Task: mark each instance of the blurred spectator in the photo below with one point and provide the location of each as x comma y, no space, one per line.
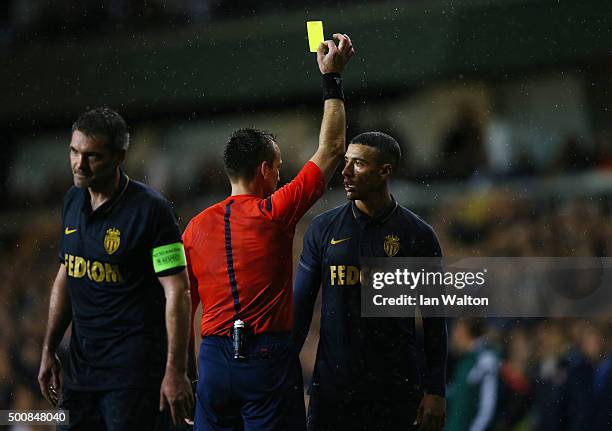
603,153
6,377
603,388
472,392
576,392
463,150
524,166
573,156
515,389
550,374
9,148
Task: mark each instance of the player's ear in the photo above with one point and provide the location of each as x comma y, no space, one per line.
121,156
264,168
386,170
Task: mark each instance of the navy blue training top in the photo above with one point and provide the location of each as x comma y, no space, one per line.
118,305
365,358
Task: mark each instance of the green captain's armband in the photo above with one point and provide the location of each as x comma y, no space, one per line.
168,256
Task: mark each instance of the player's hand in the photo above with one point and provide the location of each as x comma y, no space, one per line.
49,377
191,418
175,393
431,414
332,58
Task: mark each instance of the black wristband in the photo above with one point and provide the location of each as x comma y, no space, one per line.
332,86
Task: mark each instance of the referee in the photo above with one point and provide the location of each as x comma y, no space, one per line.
123,285
240,259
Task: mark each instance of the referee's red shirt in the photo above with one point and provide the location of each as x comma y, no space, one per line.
239,256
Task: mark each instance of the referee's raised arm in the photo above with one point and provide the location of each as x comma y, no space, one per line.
331,60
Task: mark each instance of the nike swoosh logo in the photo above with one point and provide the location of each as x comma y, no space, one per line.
68,231
338,241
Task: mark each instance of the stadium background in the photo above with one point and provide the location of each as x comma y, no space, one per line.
502,109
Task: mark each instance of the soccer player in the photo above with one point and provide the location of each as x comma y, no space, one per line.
366,374
239,254
123,285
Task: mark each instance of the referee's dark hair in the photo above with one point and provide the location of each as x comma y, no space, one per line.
388,148
245,150
104,122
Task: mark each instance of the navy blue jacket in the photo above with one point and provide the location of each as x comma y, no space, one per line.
118,323
365,358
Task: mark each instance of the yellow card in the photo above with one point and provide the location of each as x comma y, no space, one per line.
315,34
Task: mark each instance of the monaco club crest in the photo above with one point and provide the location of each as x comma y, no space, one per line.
392,245
112,239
